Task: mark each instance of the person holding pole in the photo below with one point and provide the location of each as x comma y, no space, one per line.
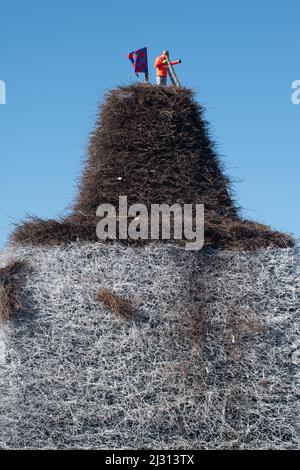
161,66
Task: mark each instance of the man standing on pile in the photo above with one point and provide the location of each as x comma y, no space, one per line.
161,68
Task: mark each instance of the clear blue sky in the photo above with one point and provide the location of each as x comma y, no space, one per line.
58,57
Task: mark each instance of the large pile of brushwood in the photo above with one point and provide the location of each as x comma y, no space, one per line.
152,144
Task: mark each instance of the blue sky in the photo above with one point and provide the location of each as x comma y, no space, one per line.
59,57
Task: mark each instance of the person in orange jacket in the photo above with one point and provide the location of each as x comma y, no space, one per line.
161,69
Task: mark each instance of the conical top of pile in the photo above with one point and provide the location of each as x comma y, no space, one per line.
151,144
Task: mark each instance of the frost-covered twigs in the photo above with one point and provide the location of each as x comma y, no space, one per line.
74,375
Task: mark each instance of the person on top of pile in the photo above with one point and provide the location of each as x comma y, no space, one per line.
161,68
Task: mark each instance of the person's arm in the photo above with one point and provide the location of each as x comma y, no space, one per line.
175,62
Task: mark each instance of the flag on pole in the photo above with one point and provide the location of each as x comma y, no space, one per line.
139,60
